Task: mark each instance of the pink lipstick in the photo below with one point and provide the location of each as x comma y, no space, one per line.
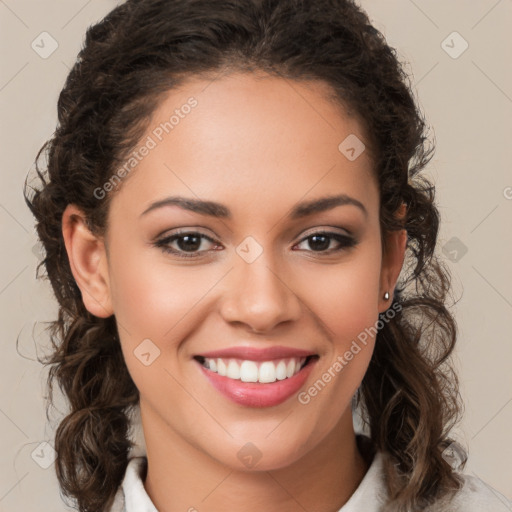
257,377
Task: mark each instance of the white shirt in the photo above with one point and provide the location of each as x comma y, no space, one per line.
475,496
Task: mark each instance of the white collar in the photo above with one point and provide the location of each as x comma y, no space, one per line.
132,496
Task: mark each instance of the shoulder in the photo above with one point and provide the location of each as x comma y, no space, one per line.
477,496
131,495
118,505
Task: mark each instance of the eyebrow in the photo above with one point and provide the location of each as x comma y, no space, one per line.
219,210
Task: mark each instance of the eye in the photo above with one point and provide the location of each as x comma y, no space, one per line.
187,244
321,242
190,244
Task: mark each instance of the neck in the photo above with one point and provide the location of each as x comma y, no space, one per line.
181,476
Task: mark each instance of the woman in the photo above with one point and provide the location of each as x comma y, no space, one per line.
242,247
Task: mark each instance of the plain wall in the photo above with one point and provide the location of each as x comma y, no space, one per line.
467,99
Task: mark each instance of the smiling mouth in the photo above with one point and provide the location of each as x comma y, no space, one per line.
247,370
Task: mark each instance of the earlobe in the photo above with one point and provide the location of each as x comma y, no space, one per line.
87,259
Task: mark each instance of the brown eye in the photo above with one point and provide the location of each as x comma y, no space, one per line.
321,242
187,244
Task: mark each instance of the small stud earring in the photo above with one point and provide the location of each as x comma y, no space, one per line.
386,296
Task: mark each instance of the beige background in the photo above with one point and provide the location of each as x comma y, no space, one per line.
468,101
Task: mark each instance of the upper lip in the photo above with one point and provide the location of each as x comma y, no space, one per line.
257,354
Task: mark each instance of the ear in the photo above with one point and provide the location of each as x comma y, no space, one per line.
392,262
88,261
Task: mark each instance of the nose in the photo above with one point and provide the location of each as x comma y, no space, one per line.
259,297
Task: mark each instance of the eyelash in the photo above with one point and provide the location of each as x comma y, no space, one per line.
345,242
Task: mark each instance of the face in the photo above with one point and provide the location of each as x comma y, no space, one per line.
264,268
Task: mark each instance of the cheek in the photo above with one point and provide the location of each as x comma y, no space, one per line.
154,302
348,309
346,299
154,309
150,293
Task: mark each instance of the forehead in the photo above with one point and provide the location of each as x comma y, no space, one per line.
249,138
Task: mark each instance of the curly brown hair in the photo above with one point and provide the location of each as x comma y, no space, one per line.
409,397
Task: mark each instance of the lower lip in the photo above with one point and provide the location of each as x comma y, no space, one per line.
257,394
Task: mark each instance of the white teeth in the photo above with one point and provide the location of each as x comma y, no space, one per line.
253,371
267,372
233,371
248,371
221,367
290,368
281,370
